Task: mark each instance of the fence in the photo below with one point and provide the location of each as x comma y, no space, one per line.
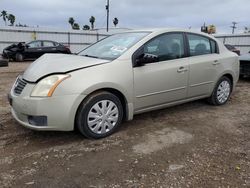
79,39
240,41
75,39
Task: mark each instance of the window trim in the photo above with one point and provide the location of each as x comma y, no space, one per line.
210,39
139,50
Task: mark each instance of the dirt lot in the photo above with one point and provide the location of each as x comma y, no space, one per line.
191,145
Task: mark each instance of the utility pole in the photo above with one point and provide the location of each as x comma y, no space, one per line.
233,26
107,8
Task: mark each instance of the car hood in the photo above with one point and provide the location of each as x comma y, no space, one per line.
245,57
14,45
58,63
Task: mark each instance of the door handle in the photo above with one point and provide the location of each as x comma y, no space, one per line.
182,69
216,62
39,49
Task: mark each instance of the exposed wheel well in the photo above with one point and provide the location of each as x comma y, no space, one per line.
121,97
230,78
116,93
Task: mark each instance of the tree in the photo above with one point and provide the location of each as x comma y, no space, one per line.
115,21
76,26
71,21
11,19
86,27
92,21
4,15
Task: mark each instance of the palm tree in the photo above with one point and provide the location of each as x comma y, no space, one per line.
76,26
11,19
4,15
92,21
71,21
115,21
86,27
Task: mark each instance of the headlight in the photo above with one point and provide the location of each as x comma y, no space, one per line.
47,86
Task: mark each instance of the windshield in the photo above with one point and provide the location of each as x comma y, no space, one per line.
113,46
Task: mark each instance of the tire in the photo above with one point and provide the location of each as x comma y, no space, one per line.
19,57
93,121
221,92
4,63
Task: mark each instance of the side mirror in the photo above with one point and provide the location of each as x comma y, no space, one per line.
27,46
146,58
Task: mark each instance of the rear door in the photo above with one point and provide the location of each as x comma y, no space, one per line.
49,47
203,64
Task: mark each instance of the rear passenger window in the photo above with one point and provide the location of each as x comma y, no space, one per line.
198,45
48,44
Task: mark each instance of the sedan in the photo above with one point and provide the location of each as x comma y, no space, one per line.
120,76
33,50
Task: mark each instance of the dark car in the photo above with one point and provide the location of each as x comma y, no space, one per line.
245,65
33,50
232,49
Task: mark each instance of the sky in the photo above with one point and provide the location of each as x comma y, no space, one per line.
132,13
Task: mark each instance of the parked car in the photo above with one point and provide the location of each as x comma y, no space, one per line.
232,49
245,65
120,76
33,50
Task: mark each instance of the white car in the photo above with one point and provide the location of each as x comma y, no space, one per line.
120,76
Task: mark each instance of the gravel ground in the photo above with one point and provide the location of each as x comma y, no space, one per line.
190,145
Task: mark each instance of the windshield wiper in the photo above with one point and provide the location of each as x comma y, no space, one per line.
86,55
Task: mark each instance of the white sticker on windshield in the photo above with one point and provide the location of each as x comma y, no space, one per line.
119,48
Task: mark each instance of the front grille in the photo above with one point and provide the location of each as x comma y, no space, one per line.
19,86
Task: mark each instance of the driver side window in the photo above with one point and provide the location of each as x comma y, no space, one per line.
35,44
166,47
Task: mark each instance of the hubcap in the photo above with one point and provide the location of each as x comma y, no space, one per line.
103,117
223,91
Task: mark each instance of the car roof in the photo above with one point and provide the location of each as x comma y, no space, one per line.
43,41
163,30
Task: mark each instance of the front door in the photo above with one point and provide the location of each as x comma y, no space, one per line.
166,80
33,49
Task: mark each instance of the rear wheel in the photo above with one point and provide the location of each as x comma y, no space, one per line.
19,57
221,92
99,115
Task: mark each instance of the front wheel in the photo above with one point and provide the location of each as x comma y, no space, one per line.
222,92
99,115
